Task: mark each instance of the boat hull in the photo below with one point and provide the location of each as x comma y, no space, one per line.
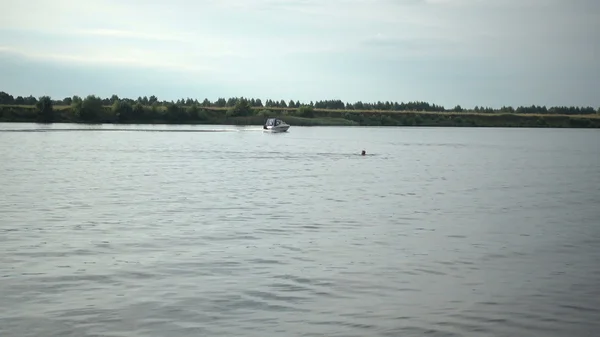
275,125
279,128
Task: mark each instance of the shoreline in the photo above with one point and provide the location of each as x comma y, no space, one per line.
152,115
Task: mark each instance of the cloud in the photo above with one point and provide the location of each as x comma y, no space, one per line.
128,34
133,57
406,46
325,46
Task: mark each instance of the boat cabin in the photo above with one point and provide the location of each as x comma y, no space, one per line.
272,122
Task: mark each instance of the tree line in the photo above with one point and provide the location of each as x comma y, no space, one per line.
7,99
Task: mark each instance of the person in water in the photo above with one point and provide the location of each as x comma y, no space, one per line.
363,153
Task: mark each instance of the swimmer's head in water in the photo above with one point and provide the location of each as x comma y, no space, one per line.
363,152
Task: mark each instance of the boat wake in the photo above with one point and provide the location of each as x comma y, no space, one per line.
120,130
250,129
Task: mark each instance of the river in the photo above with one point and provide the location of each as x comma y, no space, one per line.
112,230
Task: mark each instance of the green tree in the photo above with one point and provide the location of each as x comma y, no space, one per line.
30,100
45,110
5,98
139,113
76,105
172,111
193,112
306,111
90,109
177,113
221,103
241,108
123,111
116,107
231,101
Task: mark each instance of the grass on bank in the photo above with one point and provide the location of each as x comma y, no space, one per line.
288,111
296,117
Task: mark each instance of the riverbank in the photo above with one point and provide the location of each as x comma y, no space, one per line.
297,117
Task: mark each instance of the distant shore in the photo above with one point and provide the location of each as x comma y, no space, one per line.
243,111
298,117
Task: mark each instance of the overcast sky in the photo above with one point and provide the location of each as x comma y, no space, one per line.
448,52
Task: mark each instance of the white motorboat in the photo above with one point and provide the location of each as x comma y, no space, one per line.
275,125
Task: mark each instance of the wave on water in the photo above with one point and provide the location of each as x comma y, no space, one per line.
123,129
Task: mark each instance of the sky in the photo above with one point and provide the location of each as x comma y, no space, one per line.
447,52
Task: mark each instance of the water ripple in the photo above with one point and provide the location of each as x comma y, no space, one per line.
440,232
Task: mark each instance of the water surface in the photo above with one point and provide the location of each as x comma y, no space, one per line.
145,231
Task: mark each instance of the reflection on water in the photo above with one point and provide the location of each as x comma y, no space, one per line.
441,232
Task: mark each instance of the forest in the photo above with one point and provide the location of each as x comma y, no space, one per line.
241,110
